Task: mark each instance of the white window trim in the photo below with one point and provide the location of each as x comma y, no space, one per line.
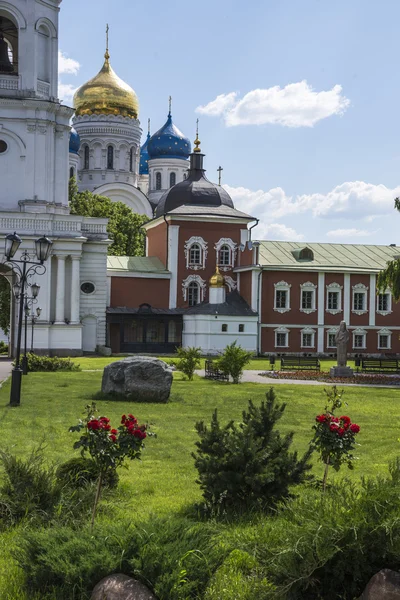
360,288
233,249
308,330
282,286
231,283
282,330
334,287
196,278
332,331
360,331
308,287
387,332
384,312
204,251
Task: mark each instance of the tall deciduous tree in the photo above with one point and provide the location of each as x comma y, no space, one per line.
124,226
390,277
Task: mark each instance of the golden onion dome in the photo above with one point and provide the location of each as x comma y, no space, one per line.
217,280
106,94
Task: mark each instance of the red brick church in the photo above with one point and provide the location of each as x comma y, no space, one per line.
205,283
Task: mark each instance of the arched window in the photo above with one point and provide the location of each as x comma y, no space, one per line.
86,157
43,54
224,257
193,293
195,255
172,179
131,160
71,173
9,45
158,181
184,176
110,157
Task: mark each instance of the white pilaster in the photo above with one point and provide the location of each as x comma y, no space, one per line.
372,299
60,293
346,299
173,240
75,288
254,289
321,312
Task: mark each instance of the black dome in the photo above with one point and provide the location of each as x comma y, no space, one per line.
196,190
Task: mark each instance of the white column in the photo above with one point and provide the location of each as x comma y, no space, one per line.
254,289
173,242
60,292
346,299
321,312
372,299
75,289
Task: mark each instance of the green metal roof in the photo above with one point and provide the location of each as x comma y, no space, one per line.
327,257
141,264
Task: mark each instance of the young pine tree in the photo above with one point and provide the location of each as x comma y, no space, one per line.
250,464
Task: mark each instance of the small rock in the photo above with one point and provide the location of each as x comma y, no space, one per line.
138,378
385,585
121,587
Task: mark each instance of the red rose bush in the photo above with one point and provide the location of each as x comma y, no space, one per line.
334,437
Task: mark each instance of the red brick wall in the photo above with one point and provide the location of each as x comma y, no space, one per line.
333,320
359,320
131,292
293,316
157,242
245,286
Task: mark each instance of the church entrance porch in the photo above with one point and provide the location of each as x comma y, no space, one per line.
144,330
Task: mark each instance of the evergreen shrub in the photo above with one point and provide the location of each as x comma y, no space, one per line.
79,471
50,363
188,361
233,360
3,348
249,464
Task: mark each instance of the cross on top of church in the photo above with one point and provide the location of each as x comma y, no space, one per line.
220,169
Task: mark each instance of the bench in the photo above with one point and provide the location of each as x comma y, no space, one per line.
300,363
212,372
379,365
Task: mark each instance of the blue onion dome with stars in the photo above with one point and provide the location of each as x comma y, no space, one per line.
169,142
144,158
74,141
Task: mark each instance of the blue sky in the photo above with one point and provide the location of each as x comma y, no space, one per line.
297,100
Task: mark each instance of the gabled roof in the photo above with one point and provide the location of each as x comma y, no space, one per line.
328,257
234,306
141,264
217,211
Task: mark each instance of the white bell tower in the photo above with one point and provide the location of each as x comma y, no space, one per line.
34,126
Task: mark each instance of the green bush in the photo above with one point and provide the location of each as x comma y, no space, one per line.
27,489
50,363
188,361
233,361
250,464
3,348
78,472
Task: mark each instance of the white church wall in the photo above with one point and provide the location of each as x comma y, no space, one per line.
205,332
165,166
94,270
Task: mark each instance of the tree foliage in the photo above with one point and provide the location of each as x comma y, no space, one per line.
5,305
233,361
124,226
189,361
242,466
390,277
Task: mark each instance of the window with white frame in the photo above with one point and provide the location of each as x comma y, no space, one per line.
172,179
308,297
384,303
281,338
384,339
196,253
359,339
307,338
158,180
226,253
331,341
360,298
193,289
282,296
334,298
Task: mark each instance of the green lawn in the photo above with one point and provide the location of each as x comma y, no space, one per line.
164,481
262,364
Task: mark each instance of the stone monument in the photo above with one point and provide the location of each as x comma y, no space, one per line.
342,339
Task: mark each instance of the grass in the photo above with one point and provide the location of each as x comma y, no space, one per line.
164,481
256,364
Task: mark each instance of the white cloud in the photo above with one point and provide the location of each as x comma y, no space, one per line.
352,199
66,91
295,105
350,233
67,65
277,231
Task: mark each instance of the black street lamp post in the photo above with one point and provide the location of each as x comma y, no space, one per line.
23,269
29,301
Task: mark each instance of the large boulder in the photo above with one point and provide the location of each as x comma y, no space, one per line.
139,378
385,585
121,587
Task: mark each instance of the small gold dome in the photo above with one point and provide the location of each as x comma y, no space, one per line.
106,94
217,280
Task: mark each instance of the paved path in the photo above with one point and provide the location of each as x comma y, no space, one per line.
5,369
255,377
